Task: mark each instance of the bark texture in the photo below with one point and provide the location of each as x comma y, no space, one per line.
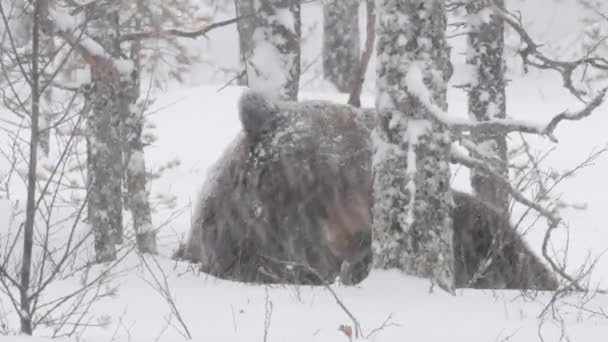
25,305
246,25
274,63
137,194
104,160
412,199
137,197
100,176
487,95
341,42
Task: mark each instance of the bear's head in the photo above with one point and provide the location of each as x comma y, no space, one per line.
289,200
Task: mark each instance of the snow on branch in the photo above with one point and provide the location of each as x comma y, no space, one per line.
417,88
92,51
179,33
531,55
503,126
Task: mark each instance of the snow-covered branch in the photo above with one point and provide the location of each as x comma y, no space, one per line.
95,54
417,88
179,33
503,126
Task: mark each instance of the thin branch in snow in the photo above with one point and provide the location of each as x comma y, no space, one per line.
161,284
585,112
531,55
415,84
180,33
473,163
552,217
502,126
267,315
355,321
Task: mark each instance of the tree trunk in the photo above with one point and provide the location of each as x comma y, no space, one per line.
274,64
105,164
245,26
46,115
358,77
25,309
103,183
412,200
137,195
487,94
341,42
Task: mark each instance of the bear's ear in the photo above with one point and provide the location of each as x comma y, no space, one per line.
258,112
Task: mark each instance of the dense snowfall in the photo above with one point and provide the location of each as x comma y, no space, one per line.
196,121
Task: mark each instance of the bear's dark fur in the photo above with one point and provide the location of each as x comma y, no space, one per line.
289,202
489,253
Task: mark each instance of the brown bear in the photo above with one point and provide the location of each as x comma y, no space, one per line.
290,202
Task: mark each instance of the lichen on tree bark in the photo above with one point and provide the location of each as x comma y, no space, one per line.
341,42
104,151
487,94
412,200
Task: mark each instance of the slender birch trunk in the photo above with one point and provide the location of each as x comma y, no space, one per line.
25,307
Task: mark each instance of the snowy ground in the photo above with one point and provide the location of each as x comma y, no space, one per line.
195,122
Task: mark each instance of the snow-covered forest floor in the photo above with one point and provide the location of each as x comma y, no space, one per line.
196,120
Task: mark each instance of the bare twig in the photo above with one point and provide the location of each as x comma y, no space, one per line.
326,285
387,323
460,158
503,126
531,55
161,285
180,33
267,315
